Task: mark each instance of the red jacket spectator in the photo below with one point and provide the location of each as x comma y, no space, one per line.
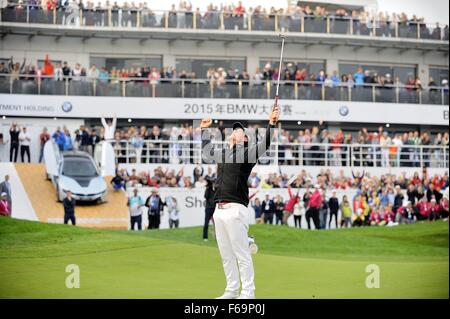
389,216
416,180
357,204
435,208
374,217
239,9
48,67
338,139
51,5
289,206
424,209
438,182
316,200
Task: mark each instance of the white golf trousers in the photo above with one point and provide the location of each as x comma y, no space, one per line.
231,225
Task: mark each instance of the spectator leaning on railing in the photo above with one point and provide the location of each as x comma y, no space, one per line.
229,17
219,79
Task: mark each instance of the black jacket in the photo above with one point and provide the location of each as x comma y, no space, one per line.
333,203
279,208
69,206
209,198
14,134
232,175
398,201
159,208
438,195
412,196
83,137
271,209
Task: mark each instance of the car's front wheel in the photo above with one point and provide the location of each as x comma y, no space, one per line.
101,200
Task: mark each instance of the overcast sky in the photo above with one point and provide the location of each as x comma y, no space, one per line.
431,10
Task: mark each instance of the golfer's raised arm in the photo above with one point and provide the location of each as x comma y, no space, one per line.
261,147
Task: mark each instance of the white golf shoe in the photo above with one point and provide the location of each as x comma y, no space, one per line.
246,297
229,295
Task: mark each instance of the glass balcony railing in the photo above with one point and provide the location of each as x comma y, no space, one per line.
234,89
222,20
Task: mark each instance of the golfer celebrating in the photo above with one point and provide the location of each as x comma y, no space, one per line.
234,165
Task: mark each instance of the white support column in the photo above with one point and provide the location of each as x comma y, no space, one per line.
423,72
168,60
252,63
331,65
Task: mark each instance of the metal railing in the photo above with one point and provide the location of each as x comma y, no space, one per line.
311,154
223,20
231,89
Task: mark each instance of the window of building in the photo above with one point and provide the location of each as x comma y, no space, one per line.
439,74
403,72
127,62
200,66
312,67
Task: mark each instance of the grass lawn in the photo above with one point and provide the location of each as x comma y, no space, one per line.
291,263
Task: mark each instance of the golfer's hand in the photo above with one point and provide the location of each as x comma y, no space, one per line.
273,118
205,123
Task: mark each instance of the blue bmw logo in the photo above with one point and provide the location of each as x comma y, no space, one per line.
67,106
343,110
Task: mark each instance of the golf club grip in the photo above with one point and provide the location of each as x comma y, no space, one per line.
276,101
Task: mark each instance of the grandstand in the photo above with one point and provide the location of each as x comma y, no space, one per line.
361,90
364,118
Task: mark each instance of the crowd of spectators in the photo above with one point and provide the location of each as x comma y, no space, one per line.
292,72
181,144
164,176
316,146
235,16
387,201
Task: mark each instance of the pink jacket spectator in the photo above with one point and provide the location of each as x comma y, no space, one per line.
424,209
4,208
316,200
291,202
389,216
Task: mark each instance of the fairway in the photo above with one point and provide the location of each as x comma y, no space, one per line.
291,263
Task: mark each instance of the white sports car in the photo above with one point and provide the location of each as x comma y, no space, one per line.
76,172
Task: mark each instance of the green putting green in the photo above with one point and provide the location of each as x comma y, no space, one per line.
291,263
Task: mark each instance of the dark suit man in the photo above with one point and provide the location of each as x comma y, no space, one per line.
268,208
69,209
333,204
14,132
155,206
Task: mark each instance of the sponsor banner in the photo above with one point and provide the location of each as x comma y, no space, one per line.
227,109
